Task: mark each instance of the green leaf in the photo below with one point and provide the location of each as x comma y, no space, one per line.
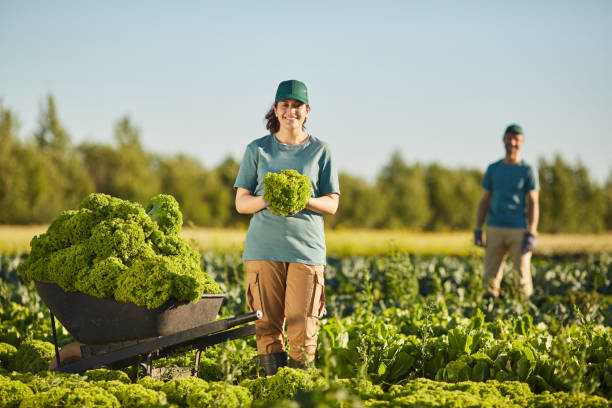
456,371
524,368
400,366
480,371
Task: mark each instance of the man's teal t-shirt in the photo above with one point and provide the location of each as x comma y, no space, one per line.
509,185
300,237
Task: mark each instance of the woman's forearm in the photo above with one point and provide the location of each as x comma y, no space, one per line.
246,203
327,204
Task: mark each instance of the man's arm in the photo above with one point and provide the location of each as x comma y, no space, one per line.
533,210
483,208
247,203
327,204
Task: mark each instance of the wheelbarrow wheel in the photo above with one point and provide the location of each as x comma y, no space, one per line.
68,354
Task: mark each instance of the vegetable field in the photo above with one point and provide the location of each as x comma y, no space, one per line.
401,330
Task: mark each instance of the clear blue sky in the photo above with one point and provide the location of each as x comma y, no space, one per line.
436,80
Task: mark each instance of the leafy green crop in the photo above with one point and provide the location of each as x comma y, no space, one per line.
71,398
12,392
133,395
102,374
284,384
110,247
178,389
403,331
195,392
287,191
7,352
32,356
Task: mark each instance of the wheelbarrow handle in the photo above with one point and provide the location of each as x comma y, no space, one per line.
245,318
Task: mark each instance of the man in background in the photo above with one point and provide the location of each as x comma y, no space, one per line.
510,204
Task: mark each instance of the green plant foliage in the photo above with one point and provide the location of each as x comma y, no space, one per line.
102,374
164,210
12,392
18,322
437,344
195,392
287,191
177,390
133,395
71,398
220,394
46,380
111,248
230,361
7,352
423,392
32,356
151,383
333,397
286,383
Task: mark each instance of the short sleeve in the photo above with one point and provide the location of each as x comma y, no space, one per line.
487,180
532,181
328,175
247,175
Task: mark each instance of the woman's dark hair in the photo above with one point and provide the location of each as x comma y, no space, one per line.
272,123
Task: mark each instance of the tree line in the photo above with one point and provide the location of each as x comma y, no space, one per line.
47,173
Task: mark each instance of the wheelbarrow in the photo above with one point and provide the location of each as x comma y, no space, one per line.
113,334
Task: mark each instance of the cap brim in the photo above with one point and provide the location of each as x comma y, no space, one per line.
294,96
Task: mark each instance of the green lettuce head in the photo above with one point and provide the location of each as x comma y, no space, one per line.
110,247
287,191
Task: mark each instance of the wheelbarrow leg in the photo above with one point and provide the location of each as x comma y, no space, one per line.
196,369
57,353
149,364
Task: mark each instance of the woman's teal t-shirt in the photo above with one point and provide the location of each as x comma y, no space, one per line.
300,237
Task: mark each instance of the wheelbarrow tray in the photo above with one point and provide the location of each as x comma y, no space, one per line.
93,320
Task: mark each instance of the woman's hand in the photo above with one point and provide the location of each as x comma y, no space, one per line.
327,204
247,203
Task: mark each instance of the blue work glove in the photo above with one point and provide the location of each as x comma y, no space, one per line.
478,238
529,242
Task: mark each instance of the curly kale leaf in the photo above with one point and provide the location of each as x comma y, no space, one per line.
133,395
102,374
287,191
164,210
33,356
13,392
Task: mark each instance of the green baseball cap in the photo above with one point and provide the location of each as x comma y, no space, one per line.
514,128
292,89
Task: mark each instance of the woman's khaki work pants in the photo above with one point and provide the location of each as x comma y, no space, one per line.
286,292
500,243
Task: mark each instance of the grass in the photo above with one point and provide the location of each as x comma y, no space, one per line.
16,239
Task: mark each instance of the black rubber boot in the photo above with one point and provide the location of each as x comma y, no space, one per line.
271,362
297,364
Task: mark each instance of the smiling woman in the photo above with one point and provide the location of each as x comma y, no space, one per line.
284,109
285,255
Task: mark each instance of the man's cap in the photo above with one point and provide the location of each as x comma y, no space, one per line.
292,89
514,128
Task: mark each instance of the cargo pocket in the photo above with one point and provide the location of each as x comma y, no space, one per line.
252,292
318,296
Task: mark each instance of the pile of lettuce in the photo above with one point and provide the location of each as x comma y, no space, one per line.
110,247
287,191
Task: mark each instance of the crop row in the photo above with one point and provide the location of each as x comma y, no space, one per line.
401,331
